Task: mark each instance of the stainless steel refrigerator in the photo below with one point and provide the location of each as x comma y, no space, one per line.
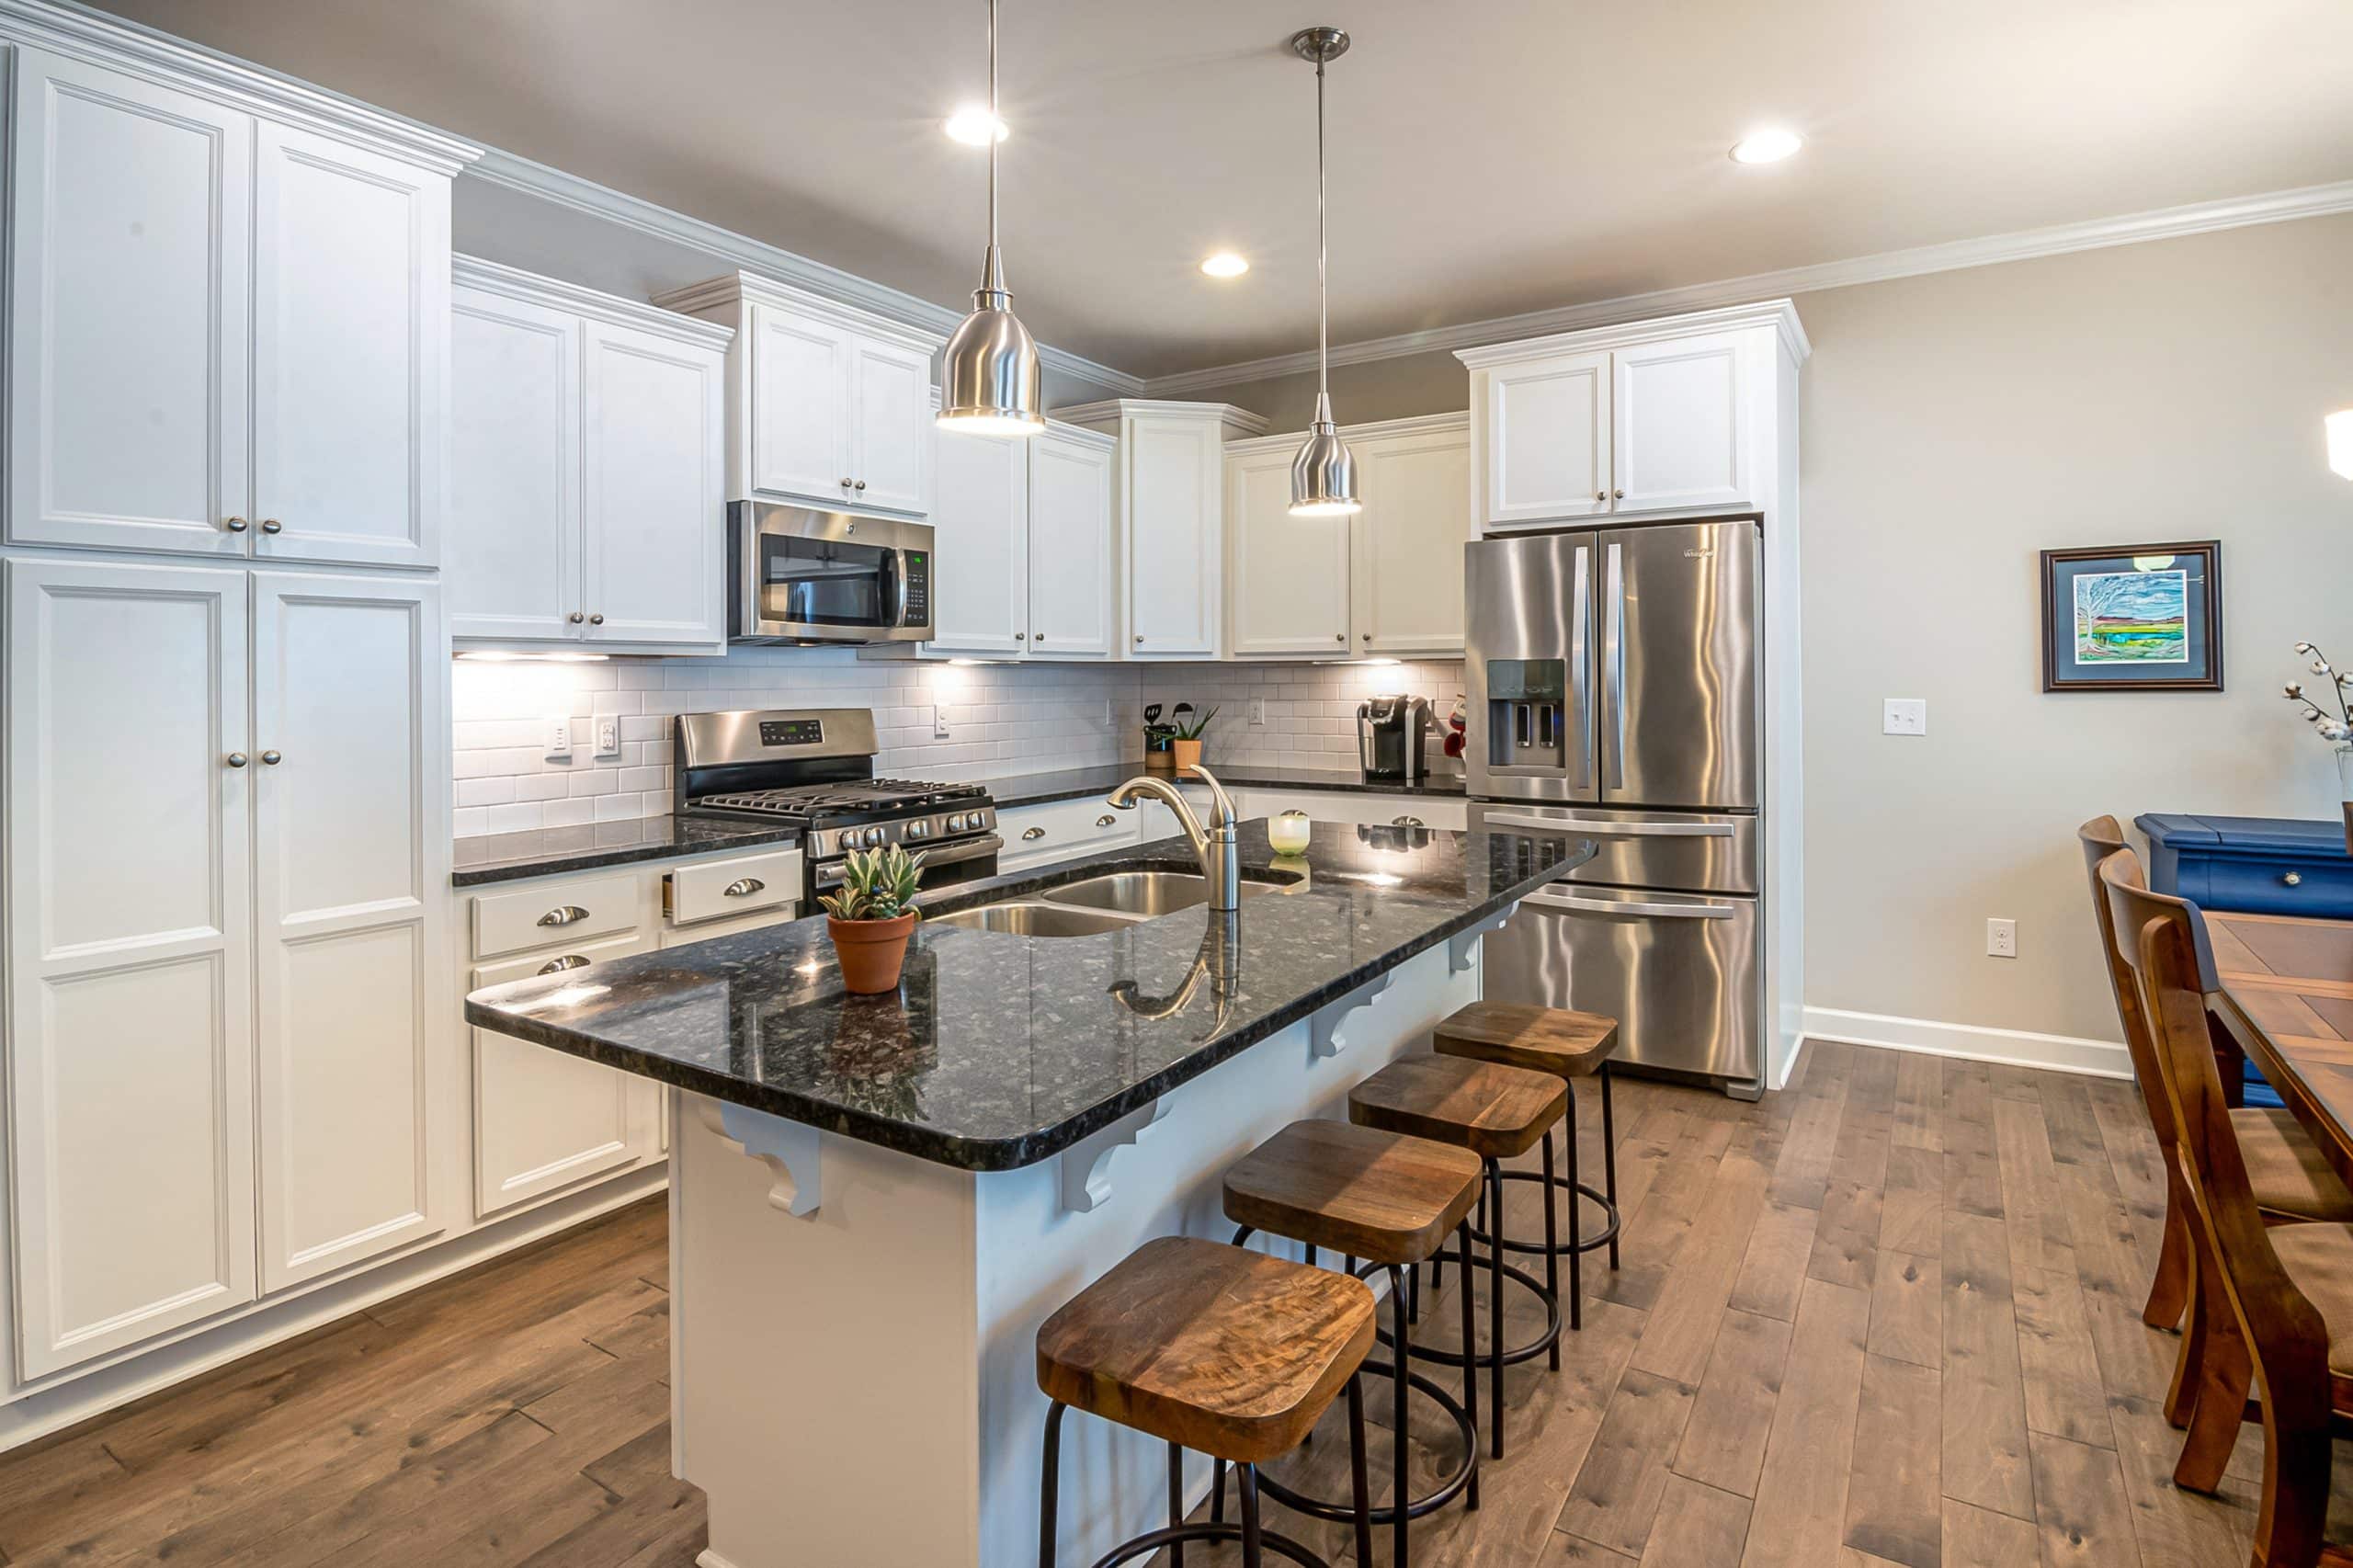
1615,686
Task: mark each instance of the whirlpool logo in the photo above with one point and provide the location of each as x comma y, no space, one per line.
1700,553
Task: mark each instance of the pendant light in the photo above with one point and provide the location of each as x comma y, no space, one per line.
989,381
1324,475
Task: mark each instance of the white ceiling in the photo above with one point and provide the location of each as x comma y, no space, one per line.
1489,157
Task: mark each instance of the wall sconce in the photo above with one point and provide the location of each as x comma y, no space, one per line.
2340,442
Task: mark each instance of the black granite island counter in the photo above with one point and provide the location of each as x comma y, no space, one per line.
876,1201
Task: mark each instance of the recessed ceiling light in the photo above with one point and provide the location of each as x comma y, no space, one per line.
971,125
1766,146
1225,263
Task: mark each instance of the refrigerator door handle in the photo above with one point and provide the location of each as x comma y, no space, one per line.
1547,900
1593,828
1613,659
1580,672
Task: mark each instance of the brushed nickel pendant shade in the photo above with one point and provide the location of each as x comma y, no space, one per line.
1324,474
989,379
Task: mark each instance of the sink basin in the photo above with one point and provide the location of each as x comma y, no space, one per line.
1146,894
1026,919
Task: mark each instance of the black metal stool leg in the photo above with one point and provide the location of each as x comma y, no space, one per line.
1609,1156
1552,1236
1217,1492
1577,1227
1176,1501
1495,1310
1359,1481
1469,1358
1048,1484
1247,1477
1399,1495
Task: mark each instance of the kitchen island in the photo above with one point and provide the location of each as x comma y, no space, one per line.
875,1202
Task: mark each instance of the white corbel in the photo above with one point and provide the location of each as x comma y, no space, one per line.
1086,1165
1462,948
791,1150
1330,1032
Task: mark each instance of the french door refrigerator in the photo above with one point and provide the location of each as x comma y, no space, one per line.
1615,688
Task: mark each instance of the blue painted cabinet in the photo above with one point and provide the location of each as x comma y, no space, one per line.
2253,865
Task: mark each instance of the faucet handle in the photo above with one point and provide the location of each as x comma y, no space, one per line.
1222,812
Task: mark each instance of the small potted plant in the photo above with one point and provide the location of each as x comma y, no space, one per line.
871,917
1190,727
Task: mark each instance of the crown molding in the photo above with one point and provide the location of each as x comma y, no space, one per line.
1111,410
2163,223
82,34
1780,314
758,256
514,283
726,294
1456,422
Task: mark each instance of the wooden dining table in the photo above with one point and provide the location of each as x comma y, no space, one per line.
2284,990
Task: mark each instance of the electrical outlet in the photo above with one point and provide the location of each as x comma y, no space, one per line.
1904,716
939,721
609,737
1257,710
560,738
2001,938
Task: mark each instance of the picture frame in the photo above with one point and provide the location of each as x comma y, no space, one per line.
2133,618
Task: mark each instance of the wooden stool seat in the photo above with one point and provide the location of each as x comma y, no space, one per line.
1219,1349
1518,1034
1496,1112
1373,1195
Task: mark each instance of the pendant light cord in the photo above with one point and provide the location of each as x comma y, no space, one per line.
1323,248
994,122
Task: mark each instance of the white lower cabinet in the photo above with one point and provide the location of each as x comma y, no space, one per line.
221,998
1043,834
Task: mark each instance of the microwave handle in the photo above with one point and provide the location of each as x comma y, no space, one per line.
895,570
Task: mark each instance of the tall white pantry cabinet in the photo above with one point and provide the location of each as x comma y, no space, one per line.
229,1010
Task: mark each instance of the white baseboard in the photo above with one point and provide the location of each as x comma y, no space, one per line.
2015,1047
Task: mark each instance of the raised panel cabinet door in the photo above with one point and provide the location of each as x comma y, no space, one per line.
1070,605
891,441
1171,506
351,341
980,583
130,930
350,850
1547,427
1682,436
800,408
1290,578
545,1121
511,565
127,371
653,502
1409,543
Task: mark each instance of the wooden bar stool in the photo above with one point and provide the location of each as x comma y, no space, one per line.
1495,1112
1569,1046
1389,1200
1215,1348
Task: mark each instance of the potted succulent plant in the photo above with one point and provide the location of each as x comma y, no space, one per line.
1191,726
871,914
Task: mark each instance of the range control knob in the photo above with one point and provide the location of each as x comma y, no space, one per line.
873,837
955,823
918,830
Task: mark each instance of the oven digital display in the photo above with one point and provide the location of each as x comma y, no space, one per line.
792,731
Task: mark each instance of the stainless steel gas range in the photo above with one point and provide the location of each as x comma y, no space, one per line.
815,767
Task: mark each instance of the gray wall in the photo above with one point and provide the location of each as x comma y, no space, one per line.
1953,426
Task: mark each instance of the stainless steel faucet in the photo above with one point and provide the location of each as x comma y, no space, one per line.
1213,847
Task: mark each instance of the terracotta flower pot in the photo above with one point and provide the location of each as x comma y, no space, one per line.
870,951
1188,755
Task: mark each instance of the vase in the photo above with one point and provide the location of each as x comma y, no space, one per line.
2345,771
1188,755
870,951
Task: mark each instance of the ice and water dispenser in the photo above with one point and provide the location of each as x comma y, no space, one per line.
1526,712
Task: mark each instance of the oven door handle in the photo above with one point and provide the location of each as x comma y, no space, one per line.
946,855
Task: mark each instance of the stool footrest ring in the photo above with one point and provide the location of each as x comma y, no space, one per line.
1593,1243
1446,1492
1511,1357
1275,1545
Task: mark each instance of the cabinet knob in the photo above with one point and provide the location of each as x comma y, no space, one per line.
1368,636
1139,638
235,759
846,484
272,525
272,759
235,524
1030,835
859,485
563,915
569,961
2293,879
1020,636
596,620
1602,495
1339,637
575,617
1039,638
1618,495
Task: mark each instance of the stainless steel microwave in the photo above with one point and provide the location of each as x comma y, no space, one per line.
798,576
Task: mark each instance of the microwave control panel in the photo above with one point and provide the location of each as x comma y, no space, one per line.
918,588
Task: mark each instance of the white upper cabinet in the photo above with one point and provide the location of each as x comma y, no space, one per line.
348,717
1680,439
1548,447
1071,551
587,467
981,551
228,334
828,406
1290,575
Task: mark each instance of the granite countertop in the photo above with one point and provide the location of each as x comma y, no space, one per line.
541,852
999,1051
1075,783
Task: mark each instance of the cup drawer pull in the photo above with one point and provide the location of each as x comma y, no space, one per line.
1408,822
569,961
563,915
1030,835
743,887
1107,820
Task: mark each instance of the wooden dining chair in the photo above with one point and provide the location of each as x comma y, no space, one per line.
2278,1299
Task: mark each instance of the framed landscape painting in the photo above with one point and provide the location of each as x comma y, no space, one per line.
2133,618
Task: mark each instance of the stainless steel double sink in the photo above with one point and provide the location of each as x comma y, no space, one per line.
1102,903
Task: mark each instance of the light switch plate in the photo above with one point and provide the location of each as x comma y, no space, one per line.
609,737
560,738
939,721
1257,710
1904,716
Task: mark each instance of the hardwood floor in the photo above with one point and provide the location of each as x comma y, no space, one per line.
1887,1317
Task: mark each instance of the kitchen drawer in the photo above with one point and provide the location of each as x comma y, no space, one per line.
675,936
1035,835
1348,806
556,912
736,885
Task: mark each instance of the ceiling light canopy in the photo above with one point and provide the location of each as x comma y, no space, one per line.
1769,145
1225,263
971,125
1324,474
990,382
